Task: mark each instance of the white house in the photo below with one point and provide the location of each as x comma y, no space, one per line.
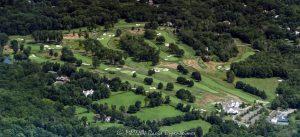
88,92
63,78
231,107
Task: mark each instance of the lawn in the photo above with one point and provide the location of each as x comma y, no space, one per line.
157,113
184,126
269,85
89,115
80,110
105,125
125,98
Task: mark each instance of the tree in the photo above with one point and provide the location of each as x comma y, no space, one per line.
185,71
151,72
160,39
155,99
197,76
132,109
107,26
185,95
148,81
230,76
95,62
3,39
118,32
122,108
138,105
152,25
55,54
78,62
181,80
27,51
84,120
180,68
150,34
190,83
199,132
160,85
67,55
22,47
42,47
167,100
140,90
179,106
51,52
170,86
134,75
14,45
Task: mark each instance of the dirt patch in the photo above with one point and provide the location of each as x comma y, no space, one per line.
71,36
209,98
234,97
168,65
192,63
136,31
127,67
212,66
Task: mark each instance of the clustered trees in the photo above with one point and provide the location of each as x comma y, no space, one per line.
230,76
47,36
174,49
66,55
288,92
154,99
185,95
3,41
148,81
183,108
139,49
100,52
196,76
152,25
182,69
250,89
261,65
184,81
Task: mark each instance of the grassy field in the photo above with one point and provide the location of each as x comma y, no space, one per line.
269,85
184,126
105,125
157,113
89,115
125,98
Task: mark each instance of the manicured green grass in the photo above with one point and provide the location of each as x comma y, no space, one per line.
269,85
80,110
125,98
222,87
157,113
184,126
90,116
105,125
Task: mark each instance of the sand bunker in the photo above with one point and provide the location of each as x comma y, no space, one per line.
152,88
32,56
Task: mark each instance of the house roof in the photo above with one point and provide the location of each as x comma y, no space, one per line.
7,61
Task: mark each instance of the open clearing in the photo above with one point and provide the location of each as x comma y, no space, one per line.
269,85
157,113
125,98
184,126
